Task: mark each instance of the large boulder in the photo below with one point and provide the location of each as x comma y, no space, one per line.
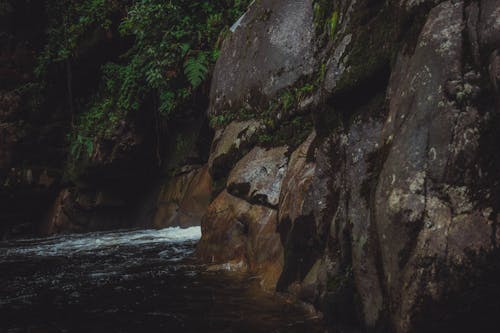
242,237
229,144
257,177
271,48
388,214
435,223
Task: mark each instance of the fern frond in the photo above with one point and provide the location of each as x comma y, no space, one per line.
196,69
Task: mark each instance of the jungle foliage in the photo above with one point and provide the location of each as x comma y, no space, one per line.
174,45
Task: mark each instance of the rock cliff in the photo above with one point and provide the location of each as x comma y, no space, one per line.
386,206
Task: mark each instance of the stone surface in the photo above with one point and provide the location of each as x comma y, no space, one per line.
297,184
387,213
271,49
257,177
242,235
228,145
76,210
427,219
184,199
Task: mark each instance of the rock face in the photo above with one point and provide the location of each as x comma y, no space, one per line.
242,237
184,200
228,144
240,226
257,177
388,212
273,47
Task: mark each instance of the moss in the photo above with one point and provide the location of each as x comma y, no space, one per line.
291,132
284,122
332,24
324,14
374,46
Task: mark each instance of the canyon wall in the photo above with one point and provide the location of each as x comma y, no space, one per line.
355,159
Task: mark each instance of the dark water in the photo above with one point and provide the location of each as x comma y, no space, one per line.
131,281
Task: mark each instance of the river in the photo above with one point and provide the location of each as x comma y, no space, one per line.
132,281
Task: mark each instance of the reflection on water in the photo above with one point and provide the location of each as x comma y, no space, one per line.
131,281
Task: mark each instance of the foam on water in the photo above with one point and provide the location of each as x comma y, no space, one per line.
67,245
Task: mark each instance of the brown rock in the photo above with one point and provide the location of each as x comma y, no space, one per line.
300,207
57,221
297,183
234,231
228,145
184,199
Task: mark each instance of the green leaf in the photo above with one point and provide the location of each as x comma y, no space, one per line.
196,69
184,49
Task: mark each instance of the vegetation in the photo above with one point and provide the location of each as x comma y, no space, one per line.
326,17
173,45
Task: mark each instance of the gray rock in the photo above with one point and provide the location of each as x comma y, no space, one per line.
258,176
271,49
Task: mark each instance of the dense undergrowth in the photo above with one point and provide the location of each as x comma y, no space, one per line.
171,47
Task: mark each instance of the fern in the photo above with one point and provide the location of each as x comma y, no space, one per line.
196,69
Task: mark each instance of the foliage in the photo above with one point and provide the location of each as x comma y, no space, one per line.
332,23
174,46
68,24
291,98
326,17
174,35
195,69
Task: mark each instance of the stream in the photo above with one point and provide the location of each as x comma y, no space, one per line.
132,281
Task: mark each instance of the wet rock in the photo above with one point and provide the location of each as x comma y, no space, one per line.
57,220
257,177
184,199
432,142
229,144
83,210
297,183
243,236
388,213
297,225
489,25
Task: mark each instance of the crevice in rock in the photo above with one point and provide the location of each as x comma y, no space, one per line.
301,250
